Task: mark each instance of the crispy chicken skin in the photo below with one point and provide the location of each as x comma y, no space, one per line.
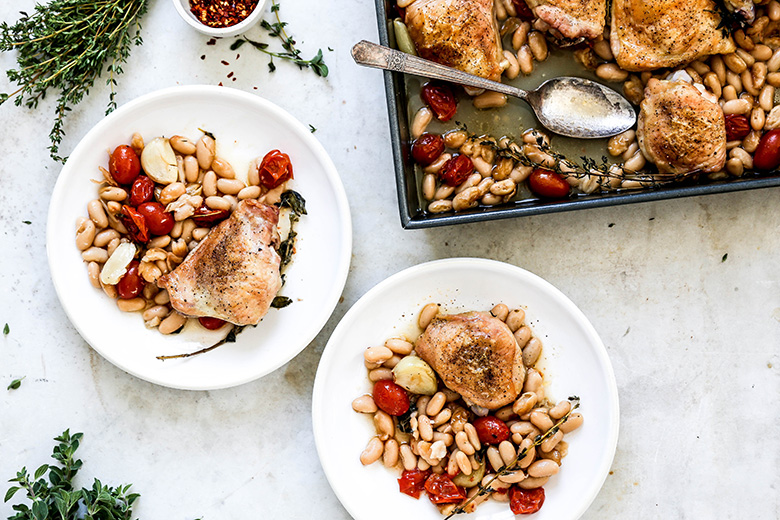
233,274
572,18
655,34
462,34
475,355
679,130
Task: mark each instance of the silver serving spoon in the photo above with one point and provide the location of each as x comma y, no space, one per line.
574,107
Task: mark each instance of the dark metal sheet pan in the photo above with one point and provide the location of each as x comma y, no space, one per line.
414,215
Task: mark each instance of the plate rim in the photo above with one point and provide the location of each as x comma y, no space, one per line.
330,170
471,262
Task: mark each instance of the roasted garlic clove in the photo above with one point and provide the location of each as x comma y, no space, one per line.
159,161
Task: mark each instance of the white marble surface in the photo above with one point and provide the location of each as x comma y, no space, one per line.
694,339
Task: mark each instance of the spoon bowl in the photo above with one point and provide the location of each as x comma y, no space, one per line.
568,106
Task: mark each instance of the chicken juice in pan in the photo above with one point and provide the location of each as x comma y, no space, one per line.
460,412
727,53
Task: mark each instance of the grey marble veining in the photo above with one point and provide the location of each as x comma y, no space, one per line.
684,293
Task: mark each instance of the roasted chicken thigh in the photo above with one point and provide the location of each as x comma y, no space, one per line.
233,274
680,130
656,34
462,34
475,355
572,18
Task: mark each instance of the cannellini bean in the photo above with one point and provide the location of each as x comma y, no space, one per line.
182,145
574,421
551,442
507,451
533,482
390,453
462,440
538,45
384,425
426,316
399,346
494,457
204,151
543,468
490,99
223,168
373,451
525,59
408,458
520,36
440,206
217,203
95,254
132,305
513,69
541,420
378,354
172,323
435,404
172,192
85,235
516,317
421,121
97,213
531,352
560,409
113,193
611,72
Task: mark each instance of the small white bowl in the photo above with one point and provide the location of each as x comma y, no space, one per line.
183,8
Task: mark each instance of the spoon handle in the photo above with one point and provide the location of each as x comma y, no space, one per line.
381,57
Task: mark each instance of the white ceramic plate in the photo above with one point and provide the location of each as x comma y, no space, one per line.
245,126
574,362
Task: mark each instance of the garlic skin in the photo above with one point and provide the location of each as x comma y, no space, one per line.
116,265
159,161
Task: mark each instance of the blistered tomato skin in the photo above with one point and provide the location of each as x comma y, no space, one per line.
767,154
124,164
159,221
131,285
391,398
441,99
548,184
412,482
456,170
441,490
274,169
205,216
142,190
427,148
525,501
491,430
211,323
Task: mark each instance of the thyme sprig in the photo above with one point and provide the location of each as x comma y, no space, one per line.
65,45
512,466
290,51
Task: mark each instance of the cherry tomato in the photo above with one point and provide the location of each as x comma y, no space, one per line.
456,170
525,501
412,482
441,489
767,155
211,323
441,99
135,223
391,398
205,216
427,148
142,190
124,164
274,169
523,11
737,127
160,222
131,284
548,184
491,430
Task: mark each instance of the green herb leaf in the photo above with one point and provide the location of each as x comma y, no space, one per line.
724,258
11,492
312,129
26,222
66,45
6,330
280,302
16,383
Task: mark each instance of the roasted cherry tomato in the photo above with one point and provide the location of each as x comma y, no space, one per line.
491,430
160,222
391,398
427,148
274,169
767,155
131,284
205,216
412,482
142,190
441,489
211,323
737,127
124,164
441,99
456,170
548,184
523,11
135,223
525,501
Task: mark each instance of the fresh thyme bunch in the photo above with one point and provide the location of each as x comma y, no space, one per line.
58,500
65,45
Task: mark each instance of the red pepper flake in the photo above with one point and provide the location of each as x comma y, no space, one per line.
203,57
226,63
212,41
230,75
221,13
